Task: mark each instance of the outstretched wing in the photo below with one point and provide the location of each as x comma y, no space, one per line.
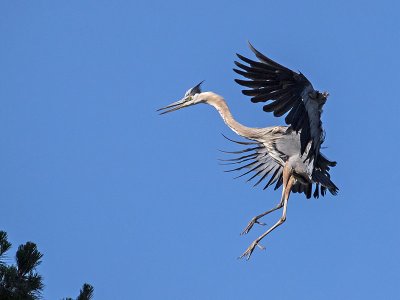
265,162
257,161
289,92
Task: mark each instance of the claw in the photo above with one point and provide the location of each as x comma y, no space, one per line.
251,224
250,250
261,247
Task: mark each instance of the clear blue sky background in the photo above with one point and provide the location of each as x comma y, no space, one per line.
137,205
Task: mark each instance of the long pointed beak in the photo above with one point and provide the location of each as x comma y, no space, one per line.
174,106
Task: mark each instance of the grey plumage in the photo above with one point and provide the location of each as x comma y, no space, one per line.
287,156
263,165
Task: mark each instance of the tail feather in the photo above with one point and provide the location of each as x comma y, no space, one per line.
323,179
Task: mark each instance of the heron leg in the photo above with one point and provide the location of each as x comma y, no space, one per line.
255,219
288,183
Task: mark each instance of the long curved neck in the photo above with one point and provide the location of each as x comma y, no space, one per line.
220,105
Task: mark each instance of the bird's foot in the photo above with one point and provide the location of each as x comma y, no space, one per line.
251,224
250,250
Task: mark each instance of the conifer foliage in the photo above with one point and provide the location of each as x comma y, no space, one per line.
21,281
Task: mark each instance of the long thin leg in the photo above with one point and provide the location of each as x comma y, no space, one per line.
255,219
288,181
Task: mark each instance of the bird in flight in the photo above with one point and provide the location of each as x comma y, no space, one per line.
287,156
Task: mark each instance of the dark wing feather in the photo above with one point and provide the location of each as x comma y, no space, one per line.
260,163
322,178
289,92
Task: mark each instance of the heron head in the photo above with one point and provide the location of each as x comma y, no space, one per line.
189,99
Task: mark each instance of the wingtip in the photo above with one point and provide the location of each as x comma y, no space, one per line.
254,50
250,45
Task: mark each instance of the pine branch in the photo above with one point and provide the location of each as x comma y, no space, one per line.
21,281
28,258
4,245
86,292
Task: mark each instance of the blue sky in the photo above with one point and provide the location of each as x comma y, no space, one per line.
137,205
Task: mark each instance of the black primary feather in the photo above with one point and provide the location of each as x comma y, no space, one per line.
271,81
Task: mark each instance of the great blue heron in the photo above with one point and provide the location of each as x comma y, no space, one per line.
289,154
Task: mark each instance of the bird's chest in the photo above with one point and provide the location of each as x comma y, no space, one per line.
302,170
